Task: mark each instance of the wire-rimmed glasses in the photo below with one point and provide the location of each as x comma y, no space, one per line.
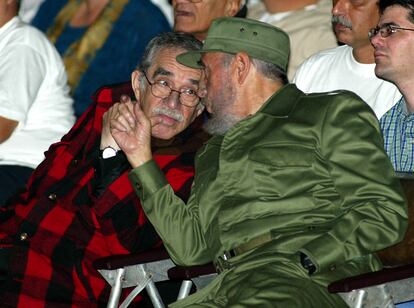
161,89
385,30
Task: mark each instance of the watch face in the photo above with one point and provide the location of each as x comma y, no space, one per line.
108,152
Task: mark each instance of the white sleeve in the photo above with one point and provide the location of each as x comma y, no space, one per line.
300,75
22,71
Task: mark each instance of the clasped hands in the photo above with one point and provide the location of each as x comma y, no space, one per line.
127,128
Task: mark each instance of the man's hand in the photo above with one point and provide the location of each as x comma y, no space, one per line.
131,130
106,136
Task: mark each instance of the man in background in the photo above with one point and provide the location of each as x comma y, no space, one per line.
351,66
307,22
35,107
195,16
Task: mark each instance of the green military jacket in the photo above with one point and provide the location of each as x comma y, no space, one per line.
309,170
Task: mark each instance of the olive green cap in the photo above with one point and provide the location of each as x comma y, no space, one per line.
259,40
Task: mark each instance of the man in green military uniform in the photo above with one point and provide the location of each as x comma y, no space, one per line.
292,192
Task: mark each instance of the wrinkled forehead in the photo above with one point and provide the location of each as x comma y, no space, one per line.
165,65
189,76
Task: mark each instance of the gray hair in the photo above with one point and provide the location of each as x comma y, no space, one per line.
267,69
168,40
271,71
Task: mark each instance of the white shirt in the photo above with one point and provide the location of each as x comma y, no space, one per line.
33,92
167,9
336,69
28,9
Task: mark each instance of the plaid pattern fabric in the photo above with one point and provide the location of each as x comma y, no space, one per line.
397,127
57,228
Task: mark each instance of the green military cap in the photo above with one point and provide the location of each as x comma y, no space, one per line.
259,40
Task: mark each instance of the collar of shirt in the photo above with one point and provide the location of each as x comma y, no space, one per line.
403,110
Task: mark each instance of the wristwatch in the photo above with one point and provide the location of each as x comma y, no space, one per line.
307,263
108,152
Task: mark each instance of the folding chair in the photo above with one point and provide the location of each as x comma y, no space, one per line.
135,270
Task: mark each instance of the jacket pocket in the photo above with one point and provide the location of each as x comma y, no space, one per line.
283,155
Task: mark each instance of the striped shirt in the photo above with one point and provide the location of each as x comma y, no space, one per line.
397,127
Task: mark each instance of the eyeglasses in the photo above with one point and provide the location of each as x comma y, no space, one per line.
385,30
161,89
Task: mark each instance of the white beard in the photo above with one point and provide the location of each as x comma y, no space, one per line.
220,125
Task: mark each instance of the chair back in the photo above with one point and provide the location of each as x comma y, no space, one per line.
403,252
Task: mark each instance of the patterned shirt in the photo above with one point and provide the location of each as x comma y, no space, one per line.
397,126
52,232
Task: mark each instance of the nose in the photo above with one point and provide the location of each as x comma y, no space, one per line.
173,100
339,7
202,93
377,40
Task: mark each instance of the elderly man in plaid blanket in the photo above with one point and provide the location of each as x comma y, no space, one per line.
79,204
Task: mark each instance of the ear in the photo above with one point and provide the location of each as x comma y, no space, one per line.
202,87
136,84
200,109
241,66
232,7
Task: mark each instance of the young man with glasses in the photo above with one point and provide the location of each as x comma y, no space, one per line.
393,41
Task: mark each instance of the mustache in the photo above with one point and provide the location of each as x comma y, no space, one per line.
338,19
176,115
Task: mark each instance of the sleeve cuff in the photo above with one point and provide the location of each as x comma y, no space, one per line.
322,254
147,179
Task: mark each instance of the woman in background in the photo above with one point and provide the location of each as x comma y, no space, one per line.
100,41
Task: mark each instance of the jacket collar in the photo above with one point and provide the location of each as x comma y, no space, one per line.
282,102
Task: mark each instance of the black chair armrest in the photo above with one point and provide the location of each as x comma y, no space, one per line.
187,273
119,261
372,279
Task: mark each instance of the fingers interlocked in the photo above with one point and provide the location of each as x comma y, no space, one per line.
122,117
